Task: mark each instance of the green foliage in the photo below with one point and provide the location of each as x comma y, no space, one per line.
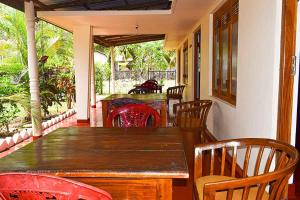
56,75
102,73
66,85
8,111
149,55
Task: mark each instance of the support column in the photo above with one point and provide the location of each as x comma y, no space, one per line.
82,59
112,68
35,102
93,80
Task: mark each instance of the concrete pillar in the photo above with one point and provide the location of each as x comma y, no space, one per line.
93,80
82,60
35,102
112,68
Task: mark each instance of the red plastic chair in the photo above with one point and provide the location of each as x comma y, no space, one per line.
133,115
152,81
24,186
153,87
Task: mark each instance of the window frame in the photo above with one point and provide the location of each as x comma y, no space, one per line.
185,52
224,18
179,66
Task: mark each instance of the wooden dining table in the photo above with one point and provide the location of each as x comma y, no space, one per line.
134,163
156,100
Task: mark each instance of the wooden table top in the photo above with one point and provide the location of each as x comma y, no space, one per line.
142,97
103,152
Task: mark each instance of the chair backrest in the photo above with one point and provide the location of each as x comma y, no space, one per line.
175,92
152,86
121,102
273,164
133,115
189,104
139,90
193,115
36,186
152,81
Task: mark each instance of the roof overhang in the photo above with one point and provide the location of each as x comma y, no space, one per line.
79,5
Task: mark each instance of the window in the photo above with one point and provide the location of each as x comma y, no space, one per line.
185,62
225,46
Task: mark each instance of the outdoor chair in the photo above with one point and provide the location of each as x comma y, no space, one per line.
25,186
140,90
192,114
133,115
175,93
153,87
152,81
243,169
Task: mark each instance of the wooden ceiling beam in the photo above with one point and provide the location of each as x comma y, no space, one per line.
135,41
141,37
19,5
111,37
40,6
101,42
126,39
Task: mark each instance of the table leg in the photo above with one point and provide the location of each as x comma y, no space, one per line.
104,112
163,114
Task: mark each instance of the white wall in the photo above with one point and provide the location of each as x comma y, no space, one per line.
255,114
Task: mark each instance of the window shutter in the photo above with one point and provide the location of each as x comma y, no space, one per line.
235,8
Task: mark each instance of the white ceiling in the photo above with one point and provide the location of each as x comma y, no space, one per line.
175,23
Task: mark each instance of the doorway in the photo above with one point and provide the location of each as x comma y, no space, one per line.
197,63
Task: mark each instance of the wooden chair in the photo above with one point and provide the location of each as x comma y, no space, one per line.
243,169
133,115
37,186
189,104
192,114
175,93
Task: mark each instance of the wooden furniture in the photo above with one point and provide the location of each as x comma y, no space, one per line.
263,182
189,104
155,100
38,186
192,114
175,93
133,115
132,163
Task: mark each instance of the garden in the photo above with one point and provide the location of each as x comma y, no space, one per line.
56,70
